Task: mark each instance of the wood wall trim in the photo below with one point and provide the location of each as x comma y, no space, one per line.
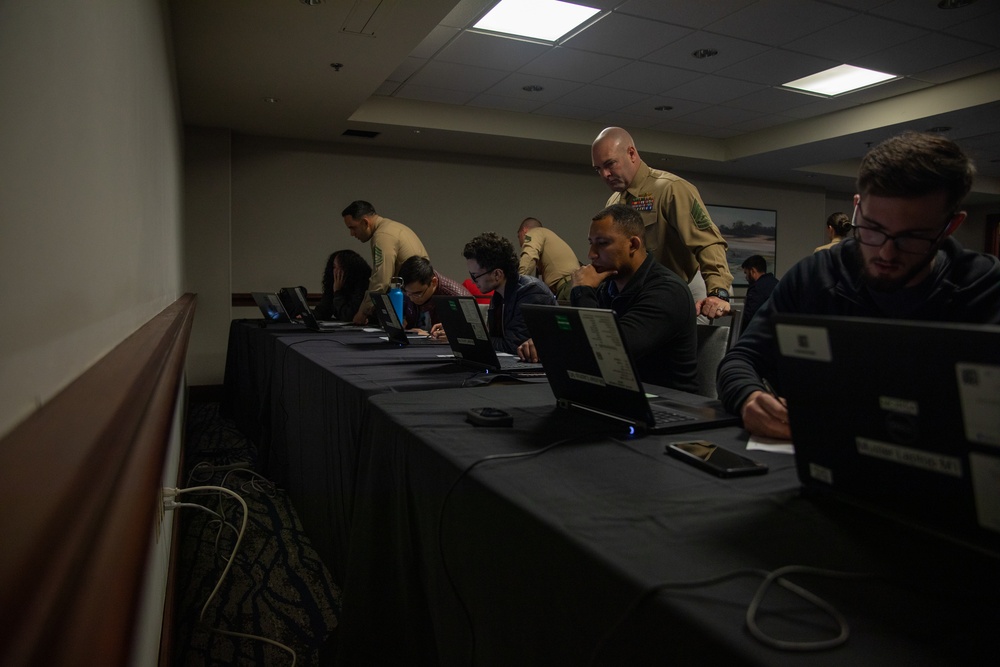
79,495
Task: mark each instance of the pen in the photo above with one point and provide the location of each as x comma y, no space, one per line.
768,388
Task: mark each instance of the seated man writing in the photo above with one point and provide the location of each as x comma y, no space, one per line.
420,283
654,306
900,262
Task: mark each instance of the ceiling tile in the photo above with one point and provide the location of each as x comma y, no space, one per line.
513,86
713,89
963,68
689,14
411,91
647,107
720,116
777,66
983,29
929,15
600,98
731,51
857,36
499,53
565,63
771,100
522,105
452,76
567,111
933,50
777,22
433,42
647,78
626,36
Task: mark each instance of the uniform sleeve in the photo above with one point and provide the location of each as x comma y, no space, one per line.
531,252
383,261
699,233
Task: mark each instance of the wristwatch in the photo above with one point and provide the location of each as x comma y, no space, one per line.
720,293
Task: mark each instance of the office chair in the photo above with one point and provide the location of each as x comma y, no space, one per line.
714,340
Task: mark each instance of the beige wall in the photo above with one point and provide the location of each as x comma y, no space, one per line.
90,173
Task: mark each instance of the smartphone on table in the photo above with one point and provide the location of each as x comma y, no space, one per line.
715,459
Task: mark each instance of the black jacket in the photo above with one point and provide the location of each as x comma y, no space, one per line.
657,319
963,287
504,318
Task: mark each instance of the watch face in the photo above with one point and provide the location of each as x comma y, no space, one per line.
721,294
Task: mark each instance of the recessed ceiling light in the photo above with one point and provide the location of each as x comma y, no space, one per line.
954,4
663,107
940,129
532,89
547,20
271,100
839,80
704,53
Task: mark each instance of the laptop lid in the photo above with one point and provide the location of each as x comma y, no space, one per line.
387,318
297,306
900,417
270,306
470,341
589,368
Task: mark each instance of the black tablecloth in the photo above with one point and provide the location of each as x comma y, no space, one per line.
555,558
301,395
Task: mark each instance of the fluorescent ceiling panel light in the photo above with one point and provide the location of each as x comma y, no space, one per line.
839,80
546,20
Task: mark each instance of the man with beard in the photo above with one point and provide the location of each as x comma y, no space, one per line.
901,262
761,283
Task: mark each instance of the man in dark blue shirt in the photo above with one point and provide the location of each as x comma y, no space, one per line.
761,283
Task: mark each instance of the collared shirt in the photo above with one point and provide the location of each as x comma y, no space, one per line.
545,255
392,243
679,232
425,316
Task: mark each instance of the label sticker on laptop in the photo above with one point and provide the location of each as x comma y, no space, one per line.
471,311
986,489
979,393
609,350
916,458
804,342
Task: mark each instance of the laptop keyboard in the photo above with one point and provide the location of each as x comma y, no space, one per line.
664,416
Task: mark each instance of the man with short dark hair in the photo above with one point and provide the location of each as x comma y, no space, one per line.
901,262
421,282
761,282
391,242
654,306
492,265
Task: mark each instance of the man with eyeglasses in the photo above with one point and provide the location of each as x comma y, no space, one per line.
492,264
420,282
900,262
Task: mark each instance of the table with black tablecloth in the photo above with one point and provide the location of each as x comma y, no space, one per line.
560,542
300,395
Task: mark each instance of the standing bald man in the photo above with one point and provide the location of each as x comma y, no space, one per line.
679,232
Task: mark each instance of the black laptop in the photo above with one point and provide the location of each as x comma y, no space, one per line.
470,340
589,369
297,306
270,306
900,417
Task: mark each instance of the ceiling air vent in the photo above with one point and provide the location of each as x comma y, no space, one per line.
367,16
366,134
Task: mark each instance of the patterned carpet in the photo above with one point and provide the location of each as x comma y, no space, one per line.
277,588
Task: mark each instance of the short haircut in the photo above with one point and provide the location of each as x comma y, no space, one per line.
529,223
416,269
492,251
755,263
626,219
358,209
914,164
841,223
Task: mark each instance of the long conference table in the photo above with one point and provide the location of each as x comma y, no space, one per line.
559,541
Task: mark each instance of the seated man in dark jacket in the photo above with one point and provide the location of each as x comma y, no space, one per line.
900,263
654,306
492,263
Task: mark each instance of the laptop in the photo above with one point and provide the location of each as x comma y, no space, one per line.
297,307
388,319
900,417
270,306
589,369
469,339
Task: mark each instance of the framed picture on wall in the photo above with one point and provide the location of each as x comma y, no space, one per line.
748,231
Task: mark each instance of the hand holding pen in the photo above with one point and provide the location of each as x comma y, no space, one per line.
765,413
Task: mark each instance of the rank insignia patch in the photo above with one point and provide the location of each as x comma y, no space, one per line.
377,256
700,217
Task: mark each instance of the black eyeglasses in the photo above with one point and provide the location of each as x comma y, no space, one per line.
911,245
475,277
